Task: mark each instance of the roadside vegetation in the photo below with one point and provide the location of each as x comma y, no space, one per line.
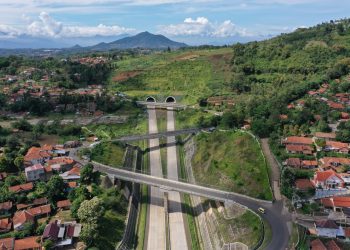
231,161
109,153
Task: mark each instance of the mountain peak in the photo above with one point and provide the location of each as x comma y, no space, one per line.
144,39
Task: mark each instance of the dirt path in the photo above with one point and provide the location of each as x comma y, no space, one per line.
275,172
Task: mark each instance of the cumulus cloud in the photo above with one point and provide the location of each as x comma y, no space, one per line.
47,26
201,26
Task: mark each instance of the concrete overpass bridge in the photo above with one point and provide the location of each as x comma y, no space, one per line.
274,210
158,135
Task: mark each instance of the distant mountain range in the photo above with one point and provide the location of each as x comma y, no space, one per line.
144,40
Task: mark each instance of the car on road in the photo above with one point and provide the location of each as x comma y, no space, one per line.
261,210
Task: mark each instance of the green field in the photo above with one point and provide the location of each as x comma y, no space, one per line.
109,153
188,75
232,161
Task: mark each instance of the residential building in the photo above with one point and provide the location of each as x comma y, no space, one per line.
5,207
36,155
327,180
64,204
298,140
73,174
326,228
7,243
336,203
44,210
20,218
304,184
331,245
22,188
5,225
309,164
61,164
325,136
293,162
336,146
299,149
29,243
62,234
335,163
35,172
317,245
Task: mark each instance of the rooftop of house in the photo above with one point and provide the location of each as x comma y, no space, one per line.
331,245
304,184
34,168
51,231
336,201
35,153
32,242
298,140
337,144
309,163
328,161
294,162
22,217
325,135
317,245
7,243
326,224
7,205
45,209
325,175
5,224
64,203
22,187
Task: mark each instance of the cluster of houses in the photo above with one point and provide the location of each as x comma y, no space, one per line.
40,164
219,101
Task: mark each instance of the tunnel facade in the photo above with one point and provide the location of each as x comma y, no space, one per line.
170,99
151,99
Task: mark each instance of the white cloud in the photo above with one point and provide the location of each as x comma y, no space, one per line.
201,26
47,26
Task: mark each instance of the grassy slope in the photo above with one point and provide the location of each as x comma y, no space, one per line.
111,154
232,161
188,75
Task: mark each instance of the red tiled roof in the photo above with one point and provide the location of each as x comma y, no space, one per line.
317,245
22,217
327,161
37,153
347,232
294,162
7,243
331,245
336,201
309,163
74,171
28,243
64,203
61,160
335,105
337,144
345,115
325,135
22,187
298,140
70,231
7,205
51,231
5,224
303,184
324,175
299,148
36,211
326,224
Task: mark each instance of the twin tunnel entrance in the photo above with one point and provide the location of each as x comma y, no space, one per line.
169,99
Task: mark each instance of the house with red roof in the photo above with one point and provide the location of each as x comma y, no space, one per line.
335,163
26,187
293,162
298,140
64,204
325,136
5,207
20,218
299,149
29,243
5,225
336,203
327,180
62,234
36,155
40,211
61,163
336,146
317,245
326,228
332,245
303,184
309,164
7,243
73,174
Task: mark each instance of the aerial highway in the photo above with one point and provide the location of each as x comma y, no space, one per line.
273,215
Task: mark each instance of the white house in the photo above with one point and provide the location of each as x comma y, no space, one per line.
328,228
35,172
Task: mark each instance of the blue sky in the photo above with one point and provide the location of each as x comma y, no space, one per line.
193,22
